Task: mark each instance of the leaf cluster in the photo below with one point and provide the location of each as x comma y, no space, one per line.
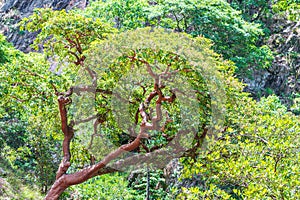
256,157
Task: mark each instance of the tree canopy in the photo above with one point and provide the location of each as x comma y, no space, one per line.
234,38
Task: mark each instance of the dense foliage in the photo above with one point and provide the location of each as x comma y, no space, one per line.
255,157
234,38
241,149
279,21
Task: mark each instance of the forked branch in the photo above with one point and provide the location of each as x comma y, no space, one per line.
64,180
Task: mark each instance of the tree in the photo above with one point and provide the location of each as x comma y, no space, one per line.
234,38
289,9
253,10
154,134
25,103
256,157
3,46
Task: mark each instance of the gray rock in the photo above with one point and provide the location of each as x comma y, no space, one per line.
12,11
2,172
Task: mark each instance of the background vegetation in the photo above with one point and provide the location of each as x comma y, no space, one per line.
253,155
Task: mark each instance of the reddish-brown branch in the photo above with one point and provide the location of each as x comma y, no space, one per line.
76,56
145,148
136,117
159,157
32,73
150,97
85,120
19,100
156,147
78,45
192,152
96,123
168,120
89,88
68,135
64,180
72,42
93,75
145,125
149,69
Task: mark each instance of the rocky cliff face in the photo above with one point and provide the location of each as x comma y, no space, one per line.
284,74
12,11
283,77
